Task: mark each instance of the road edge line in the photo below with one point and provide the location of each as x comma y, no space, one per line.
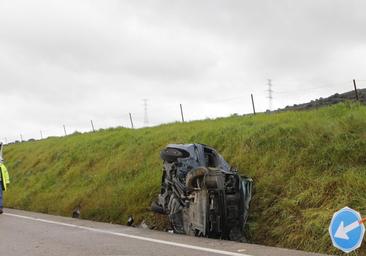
153,240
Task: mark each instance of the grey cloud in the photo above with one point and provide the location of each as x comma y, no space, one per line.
71,61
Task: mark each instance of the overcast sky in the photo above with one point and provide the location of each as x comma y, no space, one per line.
67,62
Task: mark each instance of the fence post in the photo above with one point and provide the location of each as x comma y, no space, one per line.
92,125
181,112
251,95
64,130
354,85
131,121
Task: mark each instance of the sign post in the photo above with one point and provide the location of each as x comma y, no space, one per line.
347,229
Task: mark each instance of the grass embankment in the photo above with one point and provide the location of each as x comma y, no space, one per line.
305,165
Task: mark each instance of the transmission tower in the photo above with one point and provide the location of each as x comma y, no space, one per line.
146,117
270,94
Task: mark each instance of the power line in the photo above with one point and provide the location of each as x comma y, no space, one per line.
310,89
226,99
269,93
303,90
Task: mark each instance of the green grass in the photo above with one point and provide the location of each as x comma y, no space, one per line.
305,165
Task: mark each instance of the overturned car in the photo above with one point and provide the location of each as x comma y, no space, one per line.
202,194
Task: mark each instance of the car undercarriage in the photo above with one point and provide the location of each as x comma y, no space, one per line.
202,194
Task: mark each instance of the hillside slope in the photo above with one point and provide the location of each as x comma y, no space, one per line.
331,100
305,165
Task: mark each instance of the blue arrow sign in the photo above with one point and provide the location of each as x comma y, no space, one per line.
346,230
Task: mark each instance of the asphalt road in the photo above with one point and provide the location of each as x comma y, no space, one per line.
28,233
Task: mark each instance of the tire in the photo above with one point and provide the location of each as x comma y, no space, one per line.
171,155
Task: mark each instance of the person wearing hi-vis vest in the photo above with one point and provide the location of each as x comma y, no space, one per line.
4,178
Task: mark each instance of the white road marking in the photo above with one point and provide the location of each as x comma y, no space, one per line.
193,247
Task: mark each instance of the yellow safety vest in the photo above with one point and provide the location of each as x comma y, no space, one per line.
4,176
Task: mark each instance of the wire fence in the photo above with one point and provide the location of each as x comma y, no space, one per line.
168,112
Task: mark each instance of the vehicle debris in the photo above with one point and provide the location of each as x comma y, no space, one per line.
144,225
76,212
202,194
130,220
